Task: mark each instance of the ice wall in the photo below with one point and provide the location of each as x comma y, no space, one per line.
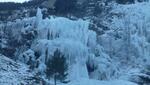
72,38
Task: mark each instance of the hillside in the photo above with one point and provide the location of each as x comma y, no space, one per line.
94,43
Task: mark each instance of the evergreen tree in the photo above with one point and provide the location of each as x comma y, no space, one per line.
57,67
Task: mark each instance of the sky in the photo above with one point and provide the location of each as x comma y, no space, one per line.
20,1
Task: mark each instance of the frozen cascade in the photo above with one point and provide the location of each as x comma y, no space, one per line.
72,38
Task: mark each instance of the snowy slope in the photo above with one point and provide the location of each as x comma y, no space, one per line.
12,73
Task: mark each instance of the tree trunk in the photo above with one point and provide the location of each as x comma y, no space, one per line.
55,79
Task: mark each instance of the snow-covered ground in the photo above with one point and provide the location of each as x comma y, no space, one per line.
97,82
17,1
